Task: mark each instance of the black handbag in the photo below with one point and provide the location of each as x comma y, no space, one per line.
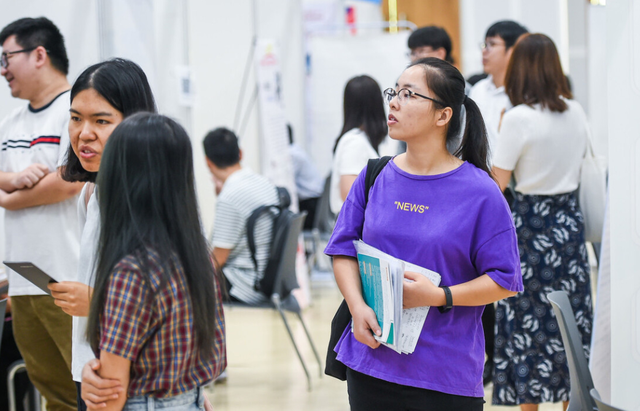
340,321
342,318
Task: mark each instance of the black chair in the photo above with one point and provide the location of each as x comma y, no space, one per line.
285,281
581,382
323,223
602,406
3,311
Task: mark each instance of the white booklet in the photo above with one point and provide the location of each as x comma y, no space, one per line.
382,277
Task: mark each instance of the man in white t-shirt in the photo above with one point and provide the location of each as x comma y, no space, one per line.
489,93
309,183
240,191
40,219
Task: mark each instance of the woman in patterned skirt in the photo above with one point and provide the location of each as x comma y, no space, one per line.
542,142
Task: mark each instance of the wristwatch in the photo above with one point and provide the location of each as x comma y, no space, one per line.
448,305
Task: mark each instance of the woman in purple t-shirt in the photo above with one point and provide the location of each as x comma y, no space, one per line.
457,224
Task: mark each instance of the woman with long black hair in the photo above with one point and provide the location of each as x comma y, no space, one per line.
440,211
363,129
156,318
103,95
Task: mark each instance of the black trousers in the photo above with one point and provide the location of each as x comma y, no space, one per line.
309,205
81,405
372,394
488,324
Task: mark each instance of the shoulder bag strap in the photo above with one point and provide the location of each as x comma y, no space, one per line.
374,167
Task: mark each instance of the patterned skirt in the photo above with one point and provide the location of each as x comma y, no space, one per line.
530,364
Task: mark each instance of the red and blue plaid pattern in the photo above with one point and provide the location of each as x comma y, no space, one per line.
156,334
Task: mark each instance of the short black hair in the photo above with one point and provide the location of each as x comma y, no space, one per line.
36,32
432,36
507,30
221,147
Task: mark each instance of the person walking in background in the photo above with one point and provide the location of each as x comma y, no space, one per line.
41,224
155,279
364,128
102,96
309,183
489,93
542,142
466,235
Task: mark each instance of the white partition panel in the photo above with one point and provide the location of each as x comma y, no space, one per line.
623,46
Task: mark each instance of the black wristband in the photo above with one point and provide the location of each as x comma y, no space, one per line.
448,305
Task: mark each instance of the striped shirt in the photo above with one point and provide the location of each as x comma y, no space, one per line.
243,192
46,235
153,328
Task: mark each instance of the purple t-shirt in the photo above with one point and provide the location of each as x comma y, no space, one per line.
456,224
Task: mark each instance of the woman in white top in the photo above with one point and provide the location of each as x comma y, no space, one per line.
102,96
364,128
541,142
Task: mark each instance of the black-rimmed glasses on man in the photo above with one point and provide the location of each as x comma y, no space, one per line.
4,61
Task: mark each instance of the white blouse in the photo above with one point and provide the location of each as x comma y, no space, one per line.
544,149
352,154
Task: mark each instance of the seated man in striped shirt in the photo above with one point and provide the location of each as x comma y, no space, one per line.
239,191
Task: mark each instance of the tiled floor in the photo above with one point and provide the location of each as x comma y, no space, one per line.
264,372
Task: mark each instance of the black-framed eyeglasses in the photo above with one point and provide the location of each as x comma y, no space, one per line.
490,45
4,61
404,94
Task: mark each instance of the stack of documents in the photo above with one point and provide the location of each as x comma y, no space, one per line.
382,276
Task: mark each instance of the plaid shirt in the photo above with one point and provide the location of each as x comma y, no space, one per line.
156,335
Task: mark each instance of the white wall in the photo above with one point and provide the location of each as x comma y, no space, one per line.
597,77
623,56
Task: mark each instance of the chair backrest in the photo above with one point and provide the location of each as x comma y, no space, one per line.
285,280
324,219
601,405
581,382
3,309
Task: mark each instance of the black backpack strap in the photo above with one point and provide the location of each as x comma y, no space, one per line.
284,201
374,167
251,225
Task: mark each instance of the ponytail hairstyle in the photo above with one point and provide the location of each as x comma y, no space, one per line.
447,85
